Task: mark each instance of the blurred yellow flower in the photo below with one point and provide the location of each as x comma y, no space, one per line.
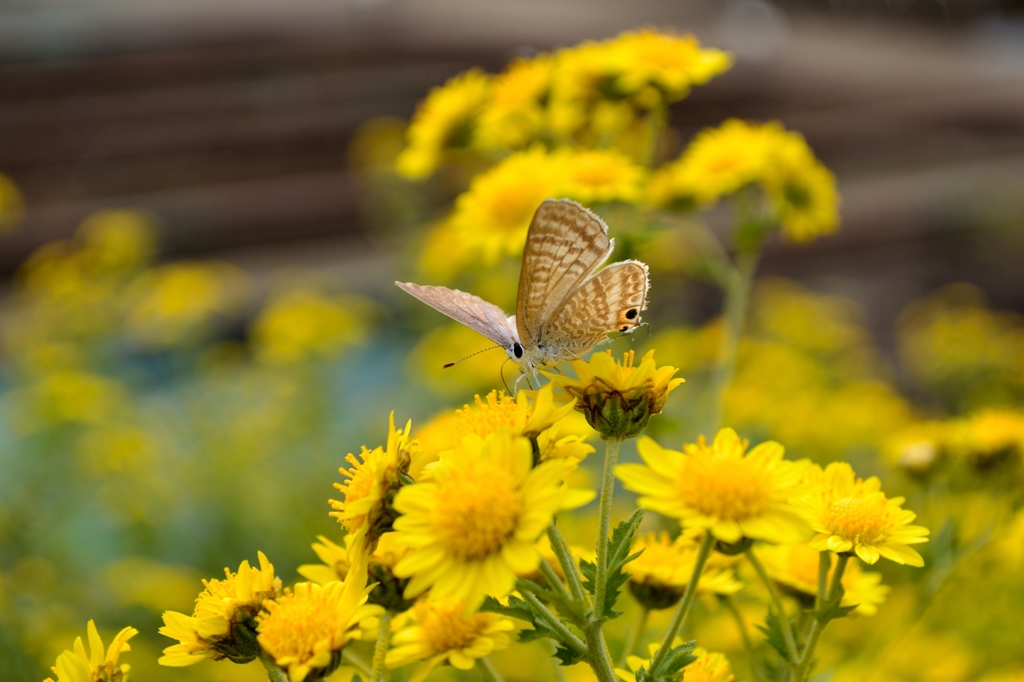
600,175
303,630
473,525
709,666
795,567
916,448
118,242
441,631
67,397
304,324
527,414
618,399
659,576
446,119
176,303
986,435
491,218
721,161
731,494
97,665
850,514
223,605
12,203
372,481
515,116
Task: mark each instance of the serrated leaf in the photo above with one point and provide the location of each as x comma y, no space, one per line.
618,556
537,632
589,571
774,635
568,656
671,666
516,608
622,538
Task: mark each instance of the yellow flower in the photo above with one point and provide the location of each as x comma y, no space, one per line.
986,435
718,488
222,618
515,115
528,414
669,64
710,666
659,576
917,447
850,514
118,242
96,666
723,160
305,324
618,399
303,630
491,218
12,203
373,479
804,191
795,567
176,303
598,175
445,120
473,525
437,632
389,588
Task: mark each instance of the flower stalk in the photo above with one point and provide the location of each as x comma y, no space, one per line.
274,674
683,610
380,651
611,457
736,284
821,614
787,630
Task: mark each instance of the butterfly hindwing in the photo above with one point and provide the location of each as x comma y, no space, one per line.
610,301
564,245
472,311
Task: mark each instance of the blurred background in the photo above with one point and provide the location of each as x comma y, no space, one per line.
199,231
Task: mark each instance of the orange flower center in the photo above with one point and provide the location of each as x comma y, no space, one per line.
446,627
858,520
728,488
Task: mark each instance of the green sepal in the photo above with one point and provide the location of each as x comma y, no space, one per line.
568,656
775,636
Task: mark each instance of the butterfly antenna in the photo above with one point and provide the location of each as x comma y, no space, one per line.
452,364
501,373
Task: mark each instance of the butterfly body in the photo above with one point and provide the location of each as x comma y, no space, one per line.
565,306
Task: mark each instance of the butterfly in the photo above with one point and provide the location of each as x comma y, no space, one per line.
564,306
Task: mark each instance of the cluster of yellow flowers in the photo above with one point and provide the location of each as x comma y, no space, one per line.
588,122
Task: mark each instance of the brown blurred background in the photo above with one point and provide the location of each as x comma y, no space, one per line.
230,121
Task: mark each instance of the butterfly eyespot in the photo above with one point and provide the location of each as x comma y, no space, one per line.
631,314
517,350
625,328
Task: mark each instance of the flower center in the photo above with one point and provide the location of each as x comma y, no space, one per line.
512,208
486,417
858,520
477,510
446,627
297,625
730,488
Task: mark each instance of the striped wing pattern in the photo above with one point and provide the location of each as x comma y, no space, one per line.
564,245
472,311
610,301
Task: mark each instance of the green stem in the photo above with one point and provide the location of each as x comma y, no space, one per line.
553,622
748,644
636,633
656,122
274,674
683,610
553,579
380,651
611,458
824,566
787,630
598,655
490,672
736,287
357,663
569,567
803,664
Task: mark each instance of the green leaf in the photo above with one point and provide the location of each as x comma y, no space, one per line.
618,557
568,656
517,608
671,667
774,635
537,632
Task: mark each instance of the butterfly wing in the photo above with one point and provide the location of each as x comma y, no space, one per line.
472,311
610,301
565,243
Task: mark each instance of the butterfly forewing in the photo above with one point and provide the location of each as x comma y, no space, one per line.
565,243
472,311
610,301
